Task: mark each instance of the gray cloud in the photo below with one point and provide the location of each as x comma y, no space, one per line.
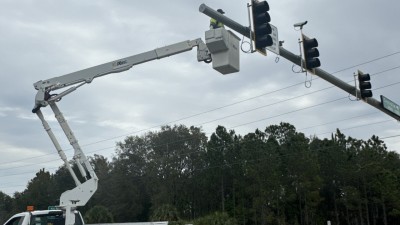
44,39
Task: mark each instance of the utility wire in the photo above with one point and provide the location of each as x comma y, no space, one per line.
390,136
97,150
235,103
230,115
222,146
176,141
297,110
245,111
270,157
249,122
367,62
363,125
244,100
336,121
264,106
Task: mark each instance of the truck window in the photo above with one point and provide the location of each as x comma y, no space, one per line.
15,221
78,219
53,219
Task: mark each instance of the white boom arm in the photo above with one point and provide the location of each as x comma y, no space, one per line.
43,97
81,194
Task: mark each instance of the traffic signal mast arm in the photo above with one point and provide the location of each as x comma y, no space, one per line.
81,194
296,60
337,82
264,39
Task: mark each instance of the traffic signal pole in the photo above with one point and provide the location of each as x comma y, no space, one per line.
296,59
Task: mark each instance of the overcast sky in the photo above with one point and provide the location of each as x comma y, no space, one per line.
44,39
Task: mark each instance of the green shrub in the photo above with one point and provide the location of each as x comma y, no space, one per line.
216,218
98,214
165,213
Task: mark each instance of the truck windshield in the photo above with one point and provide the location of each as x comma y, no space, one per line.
54,219
15,221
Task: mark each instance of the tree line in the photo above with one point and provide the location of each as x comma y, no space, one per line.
276,176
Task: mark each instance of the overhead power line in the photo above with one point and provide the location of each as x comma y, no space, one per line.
228,105
240,161
336,121
393,136
222,117
223,146
363,125
297,110
367,62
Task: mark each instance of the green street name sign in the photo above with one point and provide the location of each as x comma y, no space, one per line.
390,105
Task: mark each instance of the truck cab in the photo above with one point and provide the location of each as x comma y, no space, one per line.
42,217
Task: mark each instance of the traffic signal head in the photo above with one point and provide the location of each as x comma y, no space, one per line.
262,28
311,53
364,85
